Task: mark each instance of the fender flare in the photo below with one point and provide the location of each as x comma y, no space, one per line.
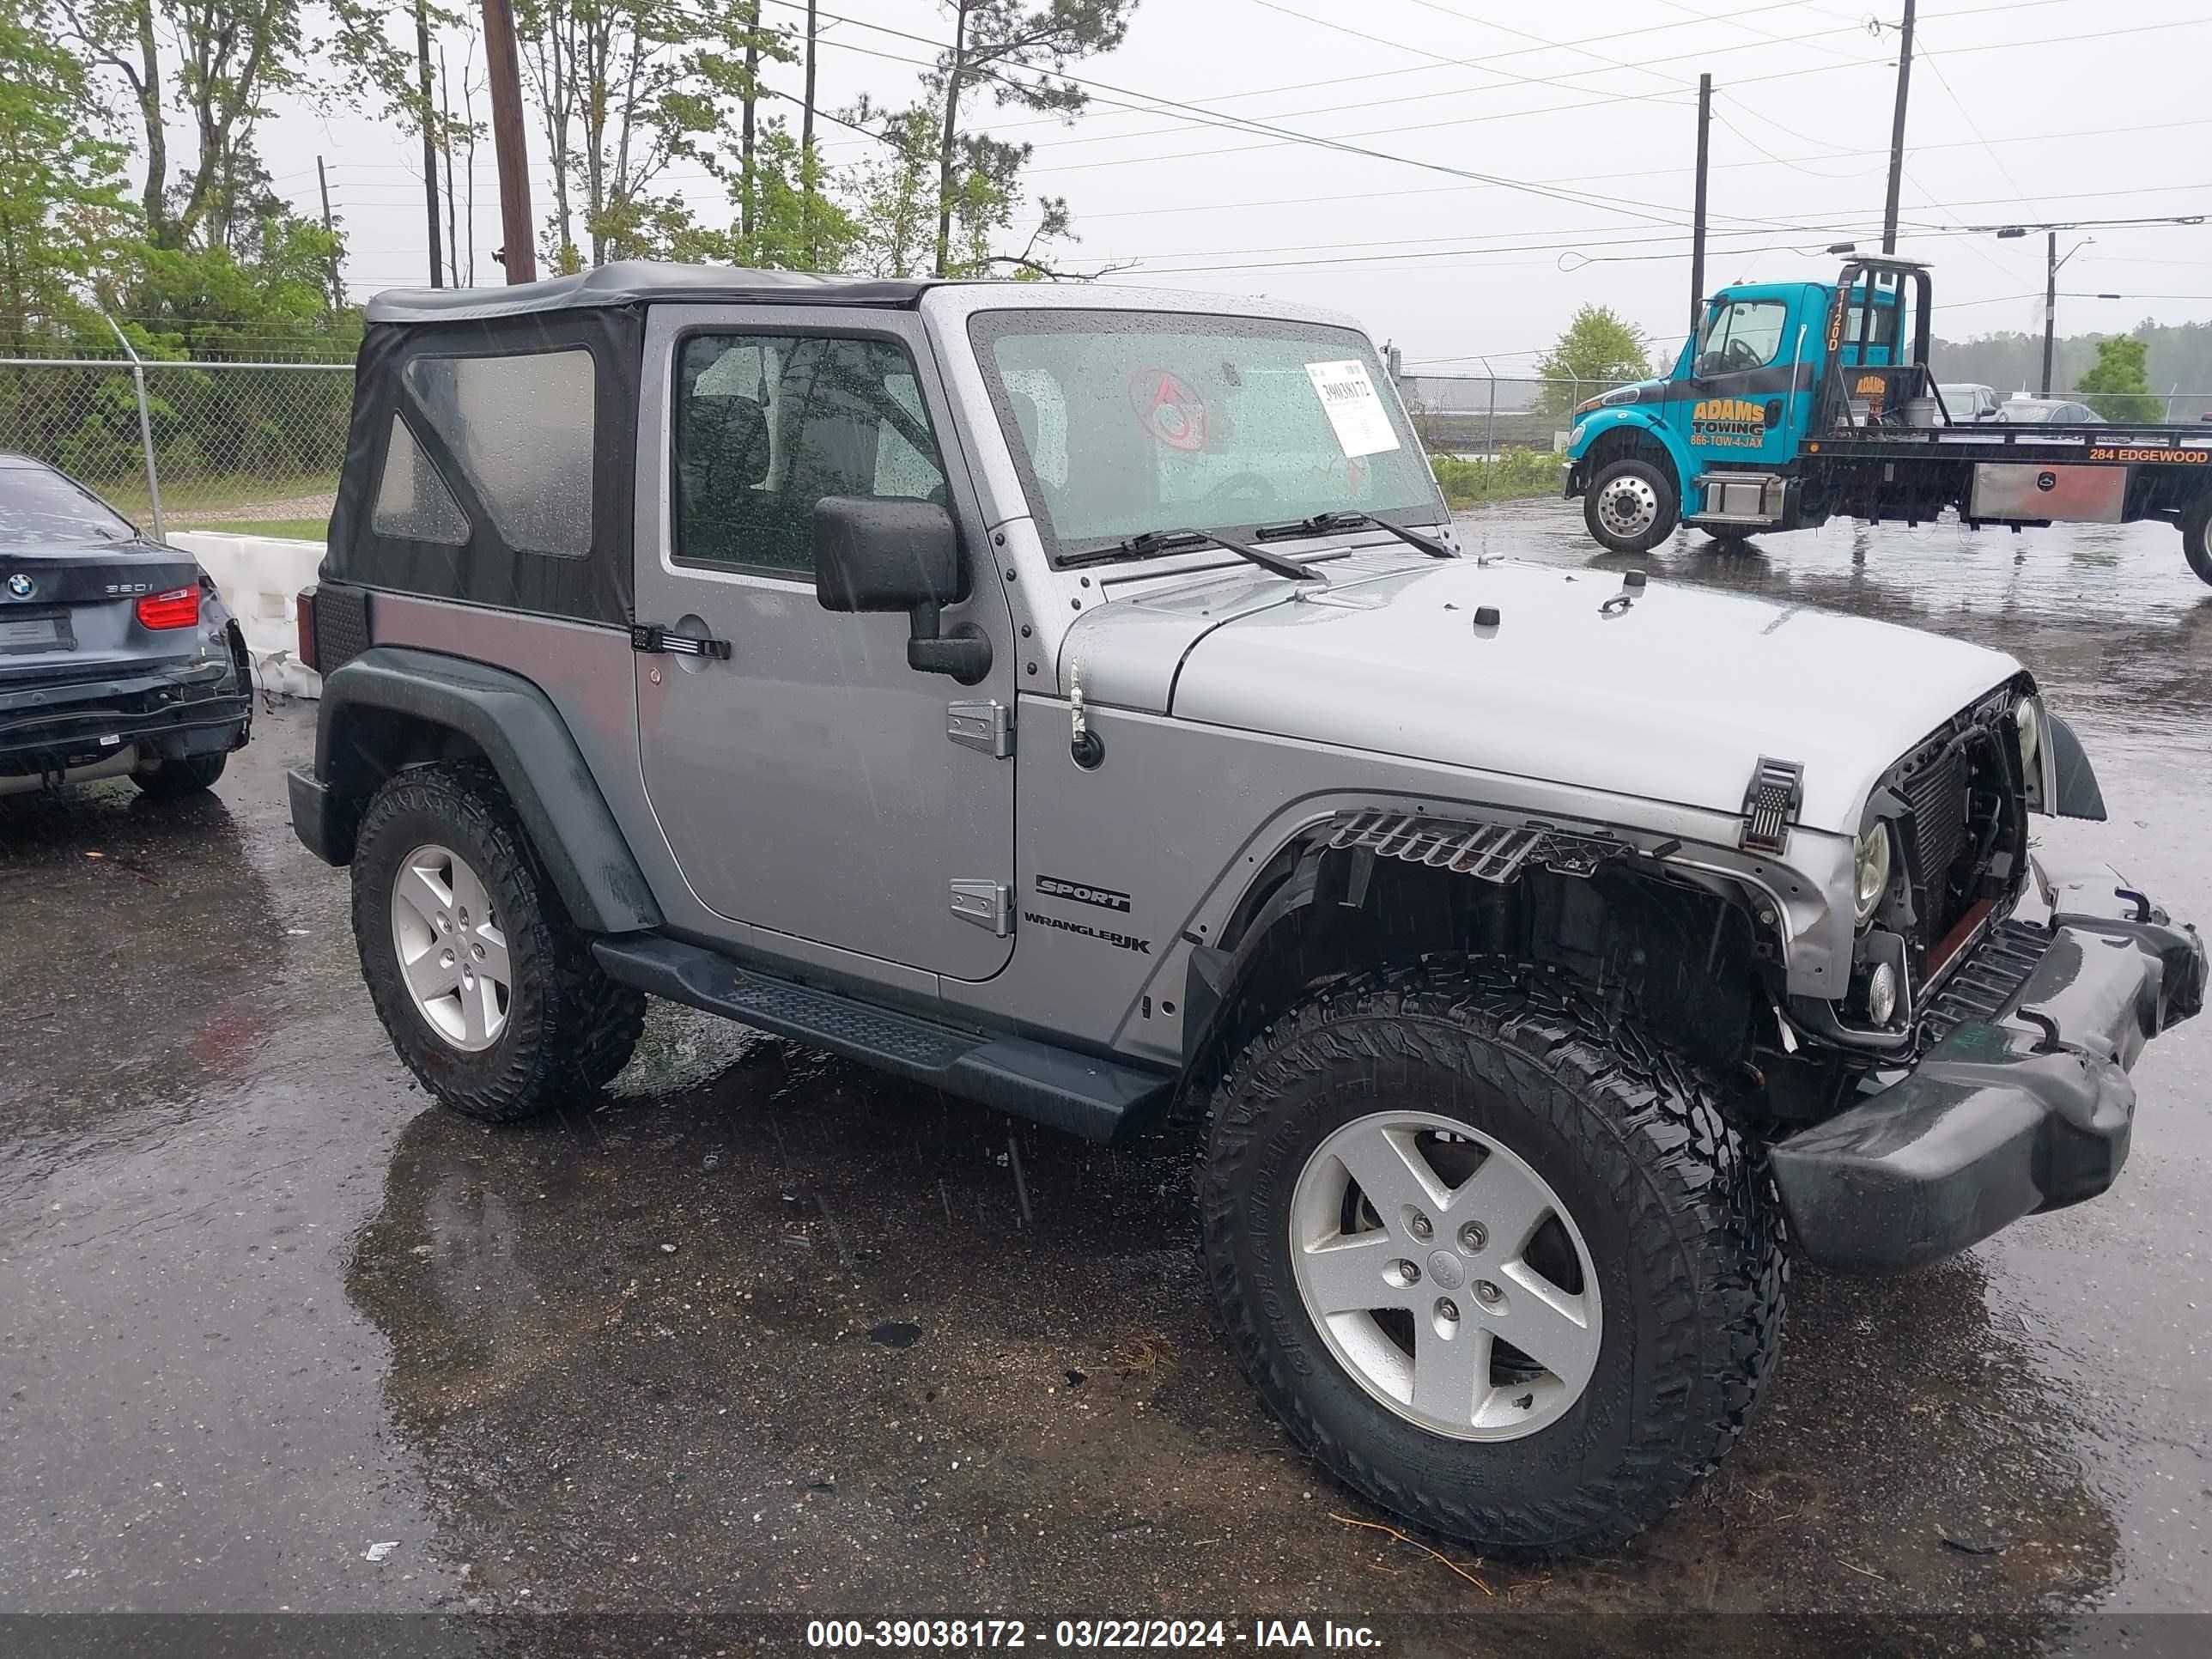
529,745
1643,421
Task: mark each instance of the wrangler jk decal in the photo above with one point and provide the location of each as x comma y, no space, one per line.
1083,893
1142,946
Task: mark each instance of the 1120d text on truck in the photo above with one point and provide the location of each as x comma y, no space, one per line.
1796,403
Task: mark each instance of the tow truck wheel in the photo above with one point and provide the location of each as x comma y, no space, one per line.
1498,1261
1630,506
2196,535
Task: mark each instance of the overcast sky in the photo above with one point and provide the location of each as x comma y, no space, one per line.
1584,117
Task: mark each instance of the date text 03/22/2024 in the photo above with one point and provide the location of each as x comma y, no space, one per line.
1087,1634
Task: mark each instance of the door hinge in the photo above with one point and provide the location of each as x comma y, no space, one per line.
1771,804
988,904
988,726
657,641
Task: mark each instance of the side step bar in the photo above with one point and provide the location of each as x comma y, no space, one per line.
1097,1099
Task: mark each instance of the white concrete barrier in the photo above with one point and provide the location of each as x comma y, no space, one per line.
258,576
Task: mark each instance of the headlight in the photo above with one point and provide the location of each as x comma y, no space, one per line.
2030,722
1872,878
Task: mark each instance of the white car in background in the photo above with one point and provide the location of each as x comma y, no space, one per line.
1969,405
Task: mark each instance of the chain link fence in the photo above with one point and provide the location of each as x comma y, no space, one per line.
1478,418
248,446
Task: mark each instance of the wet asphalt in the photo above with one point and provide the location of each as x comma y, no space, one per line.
763,1334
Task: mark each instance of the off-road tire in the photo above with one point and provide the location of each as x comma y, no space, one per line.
1671,1198
1668,512
179,776
570,1028
2196,534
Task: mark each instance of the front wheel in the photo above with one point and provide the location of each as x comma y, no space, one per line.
1498,1261
2196,534
1631,506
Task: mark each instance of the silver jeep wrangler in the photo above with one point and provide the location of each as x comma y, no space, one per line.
1075,700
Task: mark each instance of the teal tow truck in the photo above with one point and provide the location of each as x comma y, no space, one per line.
1800,402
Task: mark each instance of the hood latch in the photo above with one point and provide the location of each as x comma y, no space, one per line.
1771,804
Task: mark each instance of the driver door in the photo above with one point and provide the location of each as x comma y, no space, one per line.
1743,382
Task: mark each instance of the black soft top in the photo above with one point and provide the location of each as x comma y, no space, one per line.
645,282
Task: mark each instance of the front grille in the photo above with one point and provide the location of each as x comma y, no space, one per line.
1986,983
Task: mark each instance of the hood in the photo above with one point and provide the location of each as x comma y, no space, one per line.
1636,392
1675,698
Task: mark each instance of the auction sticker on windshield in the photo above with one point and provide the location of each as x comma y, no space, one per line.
1362,425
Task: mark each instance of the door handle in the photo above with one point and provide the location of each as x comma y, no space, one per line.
656,640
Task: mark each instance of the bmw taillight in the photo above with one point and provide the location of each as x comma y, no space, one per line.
178,608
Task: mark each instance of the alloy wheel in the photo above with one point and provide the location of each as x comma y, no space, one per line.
452,955
1445,1275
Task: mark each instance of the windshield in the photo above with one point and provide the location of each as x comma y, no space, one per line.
1126,422
37,504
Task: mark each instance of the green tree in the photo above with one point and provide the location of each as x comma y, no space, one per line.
2118,388
1600,349
231,56
1020,56
793,226
63,213
626,88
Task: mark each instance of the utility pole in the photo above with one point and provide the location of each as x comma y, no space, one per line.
429,141
2049,308
806,148
1697,218
505,73
746,128
1897,134
337,282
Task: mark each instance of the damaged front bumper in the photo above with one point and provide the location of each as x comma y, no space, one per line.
2028,1109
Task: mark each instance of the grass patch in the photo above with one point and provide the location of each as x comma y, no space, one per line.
199,499
1515,475
300,530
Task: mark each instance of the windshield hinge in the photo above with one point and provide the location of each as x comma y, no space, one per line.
1771,804
988,726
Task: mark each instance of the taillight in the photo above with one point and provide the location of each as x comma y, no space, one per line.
303,612
178,608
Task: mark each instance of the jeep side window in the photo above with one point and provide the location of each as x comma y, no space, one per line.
766,425
1743,334
522,427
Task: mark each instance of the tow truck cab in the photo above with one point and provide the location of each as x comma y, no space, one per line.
1753,383
1798,402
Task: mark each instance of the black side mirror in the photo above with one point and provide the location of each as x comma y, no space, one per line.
884,553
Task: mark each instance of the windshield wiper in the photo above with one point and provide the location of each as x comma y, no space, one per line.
1164,541
1322,524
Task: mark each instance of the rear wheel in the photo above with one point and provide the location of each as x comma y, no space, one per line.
488,991
181,775
1498,1261
2196,534
1631,506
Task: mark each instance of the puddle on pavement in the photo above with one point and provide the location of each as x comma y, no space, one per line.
784,1340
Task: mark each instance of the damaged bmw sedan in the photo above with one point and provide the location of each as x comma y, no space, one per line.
118,659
